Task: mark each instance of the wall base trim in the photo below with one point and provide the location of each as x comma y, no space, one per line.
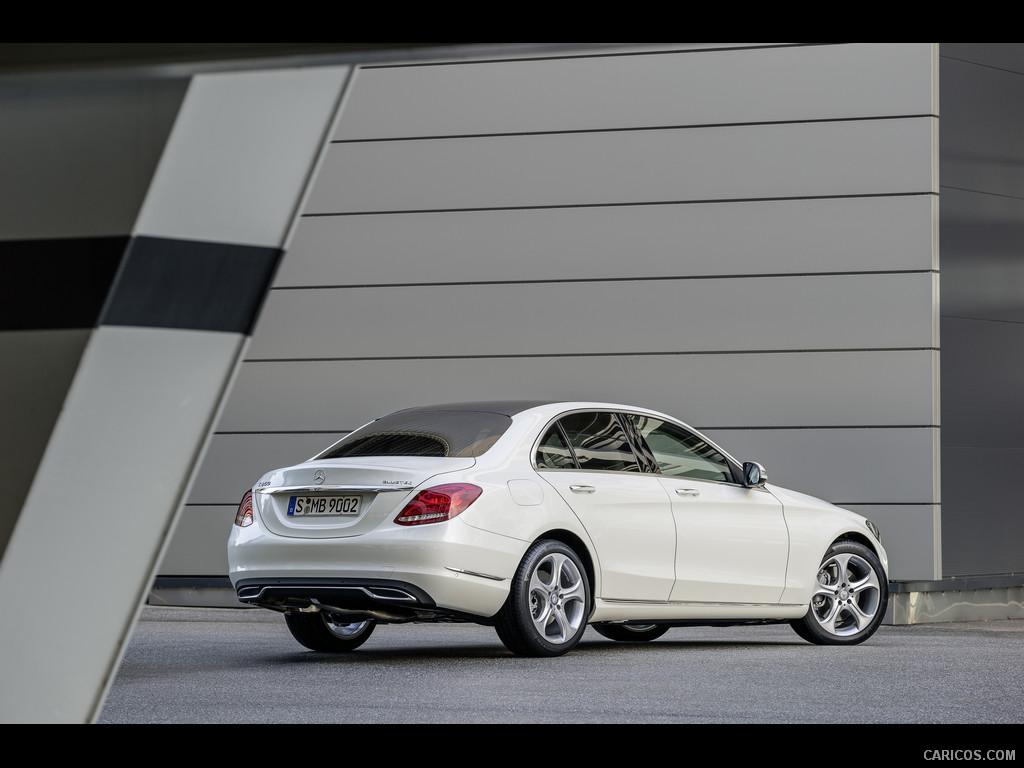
970,598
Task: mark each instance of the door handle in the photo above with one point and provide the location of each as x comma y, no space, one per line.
687,492
582,488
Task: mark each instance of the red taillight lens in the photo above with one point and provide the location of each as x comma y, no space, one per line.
437,504
243,516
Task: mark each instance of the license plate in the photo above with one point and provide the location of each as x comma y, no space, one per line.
300,506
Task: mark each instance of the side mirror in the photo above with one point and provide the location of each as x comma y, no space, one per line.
754,475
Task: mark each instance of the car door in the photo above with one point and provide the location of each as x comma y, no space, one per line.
586,457
732,544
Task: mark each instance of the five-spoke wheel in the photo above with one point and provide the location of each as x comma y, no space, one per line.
548,604
849,597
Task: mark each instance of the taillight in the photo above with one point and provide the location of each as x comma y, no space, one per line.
437,504
243,516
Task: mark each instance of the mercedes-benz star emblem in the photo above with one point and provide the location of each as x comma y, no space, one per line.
319,477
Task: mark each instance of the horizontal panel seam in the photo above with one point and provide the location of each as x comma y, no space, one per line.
981,64
590,354
986,192
628,279
701,428
981,447
887,503
830,426
633,129
980,319
283,432
578,52
633,204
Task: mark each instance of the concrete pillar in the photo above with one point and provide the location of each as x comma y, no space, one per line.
143,223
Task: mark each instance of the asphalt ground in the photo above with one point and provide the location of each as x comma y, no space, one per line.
241,667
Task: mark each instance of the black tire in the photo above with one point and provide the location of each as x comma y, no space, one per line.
548,604
849,601
328,633
631,633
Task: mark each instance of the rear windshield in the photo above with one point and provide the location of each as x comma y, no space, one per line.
460,434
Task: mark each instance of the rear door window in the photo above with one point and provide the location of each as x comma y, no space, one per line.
597,440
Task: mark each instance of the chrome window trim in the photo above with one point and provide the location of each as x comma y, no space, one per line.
735,467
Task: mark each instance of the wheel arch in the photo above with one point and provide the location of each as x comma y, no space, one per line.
806,556
582,551
860,538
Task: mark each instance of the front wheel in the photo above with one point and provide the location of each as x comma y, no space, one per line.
849,598
327,632
631,633
548,603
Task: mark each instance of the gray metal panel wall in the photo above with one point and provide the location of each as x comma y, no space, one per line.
982,235
744,237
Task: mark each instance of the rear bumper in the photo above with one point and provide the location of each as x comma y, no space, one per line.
430,572
385,600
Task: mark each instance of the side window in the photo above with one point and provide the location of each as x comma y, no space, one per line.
680,453
553,452
599,442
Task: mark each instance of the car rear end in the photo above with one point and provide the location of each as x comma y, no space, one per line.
379,535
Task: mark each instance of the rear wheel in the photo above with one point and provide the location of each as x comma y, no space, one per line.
548,604
849,598
327,632
631,633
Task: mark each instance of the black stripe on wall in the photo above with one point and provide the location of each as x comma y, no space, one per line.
167,283
142,281
56,283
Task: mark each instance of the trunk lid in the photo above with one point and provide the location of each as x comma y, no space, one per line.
331,498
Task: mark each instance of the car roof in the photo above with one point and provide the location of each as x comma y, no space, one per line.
512,407
503,407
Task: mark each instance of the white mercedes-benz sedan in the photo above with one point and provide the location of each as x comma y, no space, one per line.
539,519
